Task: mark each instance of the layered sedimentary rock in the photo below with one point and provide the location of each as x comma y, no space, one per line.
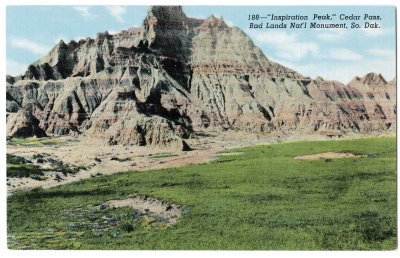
176,75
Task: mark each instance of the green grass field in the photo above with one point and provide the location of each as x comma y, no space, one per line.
262,199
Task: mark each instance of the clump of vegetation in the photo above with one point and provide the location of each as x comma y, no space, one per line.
127,227
38,177
37,156
374,226
16,160
354,152
121,159
162,155
34,141
68,170
20,167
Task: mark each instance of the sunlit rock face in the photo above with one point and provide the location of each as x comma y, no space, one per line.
176,75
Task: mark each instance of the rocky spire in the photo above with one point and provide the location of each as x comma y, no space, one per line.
372,79
166,13
161,20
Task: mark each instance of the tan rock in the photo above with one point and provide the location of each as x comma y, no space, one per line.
160,83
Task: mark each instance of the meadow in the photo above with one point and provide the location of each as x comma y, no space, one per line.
259,199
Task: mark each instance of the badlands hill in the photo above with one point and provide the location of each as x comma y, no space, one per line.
176,76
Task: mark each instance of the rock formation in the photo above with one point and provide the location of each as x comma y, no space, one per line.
176,75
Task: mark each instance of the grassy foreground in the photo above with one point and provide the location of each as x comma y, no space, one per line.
262,199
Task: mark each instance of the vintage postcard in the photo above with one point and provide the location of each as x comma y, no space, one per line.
201,127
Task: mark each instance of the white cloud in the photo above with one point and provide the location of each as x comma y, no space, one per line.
84,11
15,68
343,54
117,11
344,73
29,45
304,69
286,45
382,53
199,16
298,50
331,34
373,32
376,32
274,37
112,32
77,38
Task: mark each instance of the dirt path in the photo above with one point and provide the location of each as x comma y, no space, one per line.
329,155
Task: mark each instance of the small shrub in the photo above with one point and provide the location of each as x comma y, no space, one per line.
66,171
16,160
24,170
121,159
162,155
374,226
37,156
38,177
127,227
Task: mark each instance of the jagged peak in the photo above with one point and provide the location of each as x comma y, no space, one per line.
374,76
61,44
10,79
166,12
214,22
371,79
102,35
213,17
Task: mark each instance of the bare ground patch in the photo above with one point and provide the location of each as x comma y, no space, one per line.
170,212
329,155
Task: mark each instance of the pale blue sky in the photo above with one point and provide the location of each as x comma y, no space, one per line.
331,53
